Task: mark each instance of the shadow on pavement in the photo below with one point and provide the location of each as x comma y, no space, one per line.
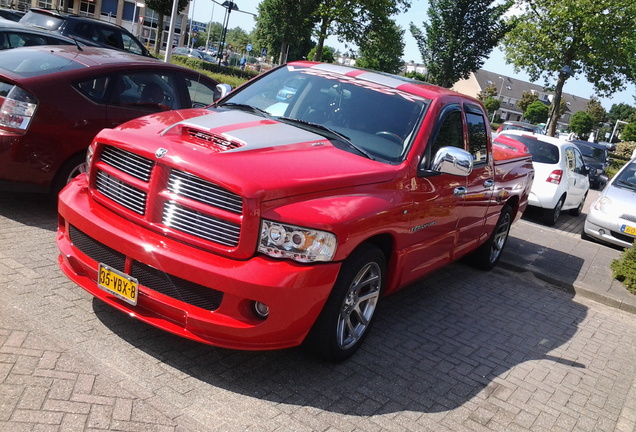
435,346
29,209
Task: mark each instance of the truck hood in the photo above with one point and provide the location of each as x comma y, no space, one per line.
253,156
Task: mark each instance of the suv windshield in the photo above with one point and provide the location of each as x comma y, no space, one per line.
35,63
592,152
378,120
43,20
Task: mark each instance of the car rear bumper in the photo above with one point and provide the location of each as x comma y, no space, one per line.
294,293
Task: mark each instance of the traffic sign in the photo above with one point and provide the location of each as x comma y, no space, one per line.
248,47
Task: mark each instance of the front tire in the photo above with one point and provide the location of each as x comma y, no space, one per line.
349,311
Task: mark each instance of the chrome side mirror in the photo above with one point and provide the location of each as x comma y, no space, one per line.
221,91
453,160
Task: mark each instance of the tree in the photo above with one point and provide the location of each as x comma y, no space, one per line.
629,132
563,38
351,20
491,104
490,91
621,111
163,8
328,54
459,37
537,112
382,49
581,123
527,98
596,111
284,27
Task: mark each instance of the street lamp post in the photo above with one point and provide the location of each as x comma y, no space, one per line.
229,6
503,81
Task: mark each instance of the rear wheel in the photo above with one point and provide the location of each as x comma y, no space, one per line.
487,255
69,170
550,216
348,313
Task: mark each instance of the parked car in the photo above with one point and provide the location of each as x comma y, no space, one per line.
264,224
517,125
53,100
612,216
11,14
89,31
561,175
597,161
16,35
193,53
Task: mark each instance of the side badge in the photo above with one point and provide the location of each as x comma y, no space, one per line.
161,152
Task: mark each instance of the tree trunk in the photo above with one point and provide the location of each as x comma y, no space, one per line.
321,39
556,103
159,38
282,58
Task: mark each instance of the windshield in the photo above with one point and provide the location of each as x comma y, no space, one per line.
627,177
379,121
541,151
43,20
592,152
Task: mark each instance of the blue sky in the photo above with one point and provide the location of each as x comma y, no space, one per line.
206,10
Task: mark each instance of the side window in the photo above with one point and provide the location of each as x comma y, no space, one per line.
145,90
109,37
94,88
450,134
477,137
570,159
578,161
131,44
201,94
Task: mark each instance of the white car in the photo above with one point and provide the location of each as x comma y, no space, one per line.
612,216
561,180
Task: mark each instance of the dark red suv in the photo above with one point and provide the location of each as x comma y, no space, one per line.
54,100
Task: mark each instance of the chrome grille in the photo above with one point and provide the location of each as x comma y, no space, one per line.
120,192
193,187
200,225
130,163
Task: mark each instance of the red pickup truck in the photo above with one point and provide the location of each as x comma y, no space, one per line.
282,214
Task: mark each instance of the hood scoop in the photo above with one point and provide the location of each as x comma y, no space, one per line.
210,141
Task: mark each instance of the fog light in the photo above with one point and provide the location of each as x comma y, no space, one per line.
601,232
261,309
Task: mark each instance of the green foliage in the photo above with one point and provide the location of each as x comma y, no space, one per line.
624,268
383,47
490,91
596,111
581,123
527,98
537,112
491,104
621,111
458,37
352,20
416,76
624,149
629,132
328,54
285,27
222,74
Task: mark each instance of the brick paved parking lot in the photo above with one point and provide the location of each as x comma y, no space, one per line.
462,350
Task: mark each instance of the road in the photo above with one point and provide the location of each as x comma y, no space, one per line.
462,350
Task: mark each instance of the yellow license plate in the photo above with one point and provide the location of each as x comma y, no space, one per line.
119,284
628,230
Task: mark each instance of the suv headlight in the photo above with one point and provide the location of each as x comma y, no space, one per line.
300,244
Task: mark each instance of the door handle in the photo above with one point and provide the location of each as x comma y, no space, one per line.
489,183
460,191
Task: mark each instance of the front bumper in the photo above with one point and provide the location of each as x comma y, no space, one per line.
598,226
294,293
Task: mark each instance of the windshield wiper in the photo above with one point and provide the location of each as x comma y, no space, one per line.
626,183
329,131
245,107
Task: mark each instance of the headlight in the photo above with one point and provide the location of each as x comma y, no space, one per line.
603,204
300,244
89,159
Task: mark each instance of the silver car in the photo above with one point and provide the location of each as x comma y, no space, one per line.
612,216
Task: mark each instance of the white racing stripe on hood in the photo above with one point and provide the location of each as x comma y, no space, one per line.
270,135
